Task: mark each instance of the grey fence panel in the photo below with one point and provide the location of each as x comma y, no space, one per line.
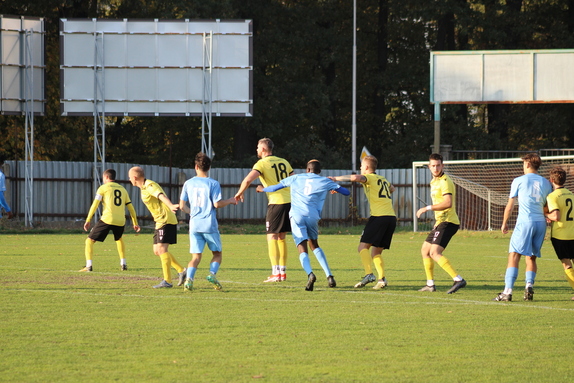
64,191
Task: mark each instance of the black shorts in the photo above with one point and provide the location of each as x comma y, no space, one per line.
564,248
101,230
166,234
277,219
379,231
442,234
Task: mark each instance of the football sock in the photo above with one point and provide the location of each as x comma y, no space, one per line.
366,260
570,276
175,263
282,270
305,262
320,255
530,278
191,272
273,248
379,265
446,266
282,246
166,266
89,249
429,268
213,267
510,277
121,249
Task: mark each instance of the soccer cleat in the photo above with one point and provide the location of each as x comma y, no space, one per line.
188,285
331,280
528,294
310,282
86,269
282,277
211,279
163,284
181,277
456,286
124,268
430,289
273,278
381,284
503,297
369,278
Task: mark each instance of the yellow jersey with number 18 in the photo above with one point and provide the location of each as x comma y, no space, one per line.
271,170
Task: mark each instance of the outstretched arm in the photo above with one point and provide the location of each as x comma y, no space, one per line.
224,202
351,177
272,188
252,176
343,191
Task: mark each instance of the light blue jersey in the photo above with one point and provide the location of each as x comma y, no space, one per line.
202,193
308,193
531,190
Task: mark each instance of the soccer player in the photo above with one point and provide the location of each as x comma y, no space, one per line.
531,189
271,169
559,211
203,194
378,232
443,195
115,199
3,204
163,213
308,192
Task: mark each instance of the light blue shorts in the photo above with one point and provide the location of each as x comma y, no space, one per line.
197,242
527,238
304,228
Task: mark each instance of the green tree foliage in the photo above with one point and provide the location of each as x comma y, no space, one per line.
302,81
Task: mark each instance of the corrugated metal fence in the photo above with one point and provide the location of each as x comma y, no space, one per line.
64,191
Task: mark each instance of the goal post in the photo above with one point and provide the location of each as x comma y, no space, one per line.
482,189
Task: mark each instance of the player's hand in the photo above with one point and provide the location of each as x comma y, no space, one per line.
10,215
239,197
137,228
233,201
259,188
333,191
174,208
504,229
87,226
421,211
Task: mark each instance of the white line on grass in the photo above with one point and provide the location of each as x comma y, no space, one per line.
442,301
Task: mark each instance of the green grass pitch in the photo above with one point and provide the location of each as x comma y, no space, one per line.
58,325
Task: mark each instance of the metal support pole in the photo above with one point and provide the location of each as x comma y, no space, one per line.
437,127
354,80
29,127
207,102
99,113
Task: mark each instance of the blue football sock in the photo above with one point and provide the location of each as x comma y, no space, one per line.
191,272
530,277
214,267
510,277
305,262
320,255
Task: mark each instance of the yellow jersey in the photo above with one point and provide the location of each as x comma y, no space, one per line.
440,186
272,170
377,191
115,199
562,199
160,212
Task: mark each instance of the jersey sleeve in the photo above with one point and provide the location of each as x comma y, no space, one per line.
552,202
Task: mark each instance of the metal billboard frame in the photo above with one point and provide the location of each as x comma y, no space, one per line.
22,85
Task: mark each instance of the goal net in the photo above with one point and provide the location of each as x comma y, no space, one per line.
482,189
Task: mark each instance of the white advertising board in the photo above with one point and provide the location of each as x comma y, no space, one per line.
22,68
521,76
156,67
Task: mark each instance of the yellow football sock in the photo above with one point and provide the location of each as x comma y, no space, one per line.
379,265
570,276
429,268
121,248
174,263
273,248
282,246
166,266
366,260
446,266
89,249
